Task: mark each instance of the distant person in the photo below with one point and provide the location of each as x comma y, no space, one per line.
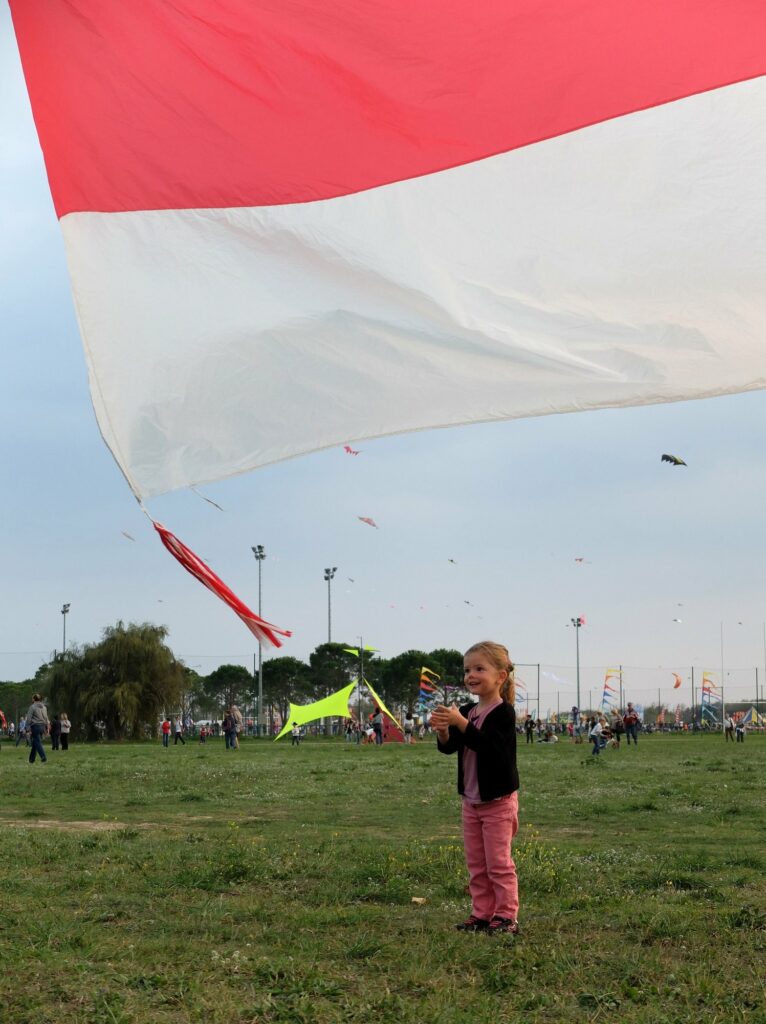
739,731
179,733
728,728
529,728
630,720
484,737
409,726
295,733
55,731
377,725
229,727
237,716
595,733
203,734
618,729
166,732
38,725
22,732
66,728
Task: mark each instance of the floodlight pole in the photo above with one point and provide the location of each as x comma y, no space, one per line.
723,680
260,554
64,613
577,623
361,679
329,575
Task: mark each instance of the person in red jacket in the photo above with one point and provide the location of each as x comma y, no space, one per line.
630,720
484,737
166,732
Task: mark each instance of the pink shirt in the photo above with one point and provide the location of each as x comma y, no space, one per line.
470,774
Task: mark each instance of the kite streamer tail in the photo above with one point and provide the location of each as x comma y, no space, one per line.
263,631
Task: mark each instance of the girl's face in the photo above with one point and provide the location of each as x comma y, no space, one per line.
482,677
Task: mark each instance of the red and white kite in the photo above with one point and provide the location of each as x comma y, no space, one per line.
370,522
349,450
394,216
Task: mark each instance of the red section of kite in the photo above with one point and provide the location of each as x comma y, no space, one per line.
192,104
262,630
370,522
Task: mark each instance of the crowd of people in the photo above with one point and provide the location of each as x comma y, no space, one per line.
34,726
607,729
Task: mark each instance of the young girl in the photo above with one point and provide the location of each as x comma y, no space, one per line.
484,736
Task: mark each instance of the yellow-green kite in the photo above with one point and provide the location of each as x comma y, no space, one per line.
328,707
335,704
381,705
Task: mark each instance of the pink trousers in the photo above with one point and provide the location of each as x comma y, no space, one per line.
488,829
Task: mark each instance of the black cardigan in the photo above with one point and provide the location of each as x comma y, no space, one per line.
495,747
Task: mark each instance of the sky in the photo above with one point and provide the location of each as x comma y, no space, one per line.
513,504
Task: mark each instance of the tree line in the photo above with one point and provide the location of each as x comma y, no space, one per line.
121,686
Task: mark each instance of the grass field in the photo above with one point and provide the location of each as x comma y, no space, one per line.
275,884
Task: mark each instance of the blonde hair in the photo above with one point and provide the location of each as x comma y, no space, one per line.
498,656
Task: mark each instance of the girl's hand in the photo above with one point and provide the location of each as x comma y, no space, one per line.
443,717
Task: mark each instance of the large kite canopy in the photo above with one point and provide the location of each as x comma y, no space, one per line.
388,217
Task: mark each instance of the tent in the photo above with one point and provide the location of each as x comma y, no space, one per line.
753,718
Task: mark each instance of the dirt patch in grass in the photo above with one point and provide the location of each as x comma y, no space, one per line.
76,826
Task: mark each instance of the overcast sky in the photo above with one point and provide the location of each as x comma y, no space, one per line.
514,504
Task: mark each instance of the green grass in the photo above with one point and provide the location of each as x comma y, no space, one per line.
145,885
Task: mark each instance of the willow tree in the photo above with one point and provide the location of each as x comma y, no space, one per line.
121,686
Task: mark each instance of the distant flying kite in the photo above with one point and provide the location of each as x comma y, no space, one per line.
677,682
370,522
673,460
468,603
125,534
349,450
349,579
677,620
452,560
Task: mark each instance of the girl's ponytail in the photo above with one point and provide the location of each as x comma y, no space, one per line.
508,689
